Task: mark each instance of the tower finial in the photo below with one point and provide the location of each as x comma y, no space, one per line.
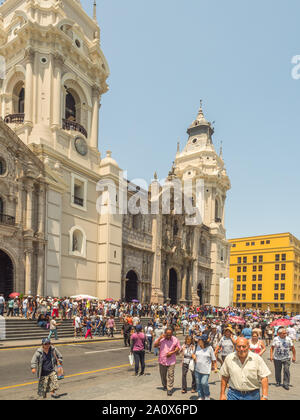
95,10
221,150
178,147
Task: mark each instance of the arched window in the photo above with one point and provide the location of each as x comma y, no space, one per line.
21,102
77,242
218,217
1,206
70,107
2,166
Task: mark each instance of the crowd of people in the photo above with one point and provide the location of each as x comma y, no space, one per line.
229,341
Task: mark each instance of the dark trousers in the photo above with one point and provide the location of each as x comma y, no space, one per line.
185,369
139,357
150,341
127,340
10,312
285,364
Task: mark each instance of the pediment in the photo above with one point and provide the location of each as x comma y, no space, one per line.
20,160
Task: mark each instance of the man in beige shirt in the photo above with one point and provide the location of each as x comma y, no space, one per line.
245,372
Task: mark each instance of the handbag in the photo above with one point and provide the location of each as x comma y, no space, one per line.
131,359
192,365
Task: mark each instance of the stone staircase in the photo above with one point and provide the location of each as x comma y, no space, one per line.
18,329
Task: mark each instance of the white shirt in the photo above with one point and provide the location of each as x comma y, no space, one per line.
291,333
2,300
282,348
77,322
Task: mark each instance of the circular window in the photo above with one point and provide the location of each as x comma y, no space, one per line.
44,60
2,166
195,141
77,43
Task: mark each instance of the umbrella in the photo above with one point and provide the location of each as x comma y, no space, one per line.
231,314
135,300
236,320
86,297
210,316
281,323
14,295
296,318
109,300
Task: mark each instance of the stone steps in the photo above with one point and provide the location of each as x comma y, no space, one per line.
26,329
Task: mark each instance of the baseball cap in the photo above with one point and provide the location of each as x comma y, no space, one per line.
203,337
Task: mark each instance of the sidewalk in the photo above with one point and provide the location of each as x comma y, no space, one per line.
5,344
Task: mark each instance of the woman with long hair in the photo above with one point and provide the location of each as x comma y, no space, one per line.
187,351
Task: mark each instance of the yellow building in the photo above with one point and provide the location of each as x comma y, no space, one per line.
266,272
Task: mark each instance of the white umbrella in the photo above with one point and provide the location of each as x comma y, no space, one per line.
296,318
87,297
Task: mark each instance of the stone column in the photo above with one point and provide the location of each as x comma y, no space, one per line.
95,117
41,212
57,90
29,208
19,212
40,269
28,270
29,57
183,285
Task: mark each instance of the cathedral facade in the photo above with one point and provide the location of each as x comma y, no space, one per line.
53,239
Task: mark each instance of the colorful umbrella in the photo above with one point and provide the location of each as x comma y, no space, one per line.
14,295
109,300
296,318
236,320
281,323
135,300
86,297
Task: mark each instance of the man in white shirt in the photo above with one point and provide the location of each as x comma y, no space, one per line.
281,348
292,333
77,326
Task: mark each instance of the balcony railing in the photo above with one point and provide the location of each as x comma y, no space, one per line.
14,118
7,220
74,126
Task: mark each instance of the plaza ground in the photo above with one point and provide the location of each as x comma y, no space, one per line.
101,371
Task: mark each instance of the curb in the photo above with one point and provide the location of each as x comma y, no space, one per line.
2,347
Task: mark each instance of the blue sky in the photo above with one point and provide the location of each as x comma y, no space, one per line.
166,55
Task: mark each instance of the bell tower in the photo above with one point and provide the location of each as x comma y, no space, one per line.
55,75
200,161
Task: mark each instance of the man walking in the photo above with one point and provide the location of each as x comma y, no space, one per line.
280,353
126,330
245,372
169,347
53,328
44,362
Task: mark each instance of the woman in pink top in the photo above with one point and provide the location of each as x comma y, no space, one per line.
138,349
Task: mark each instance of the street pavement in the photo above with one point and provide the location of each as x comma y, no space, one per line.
101,371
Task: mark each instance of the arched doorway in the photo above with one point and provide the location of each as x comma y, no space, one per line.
131,291
6,274
200,293
173,286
